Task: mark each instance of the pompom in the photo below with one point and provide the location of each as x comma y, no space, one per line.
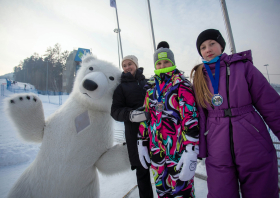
163,44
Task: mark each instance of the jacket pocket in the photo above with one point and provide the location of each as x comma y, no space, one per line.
256,131
209,132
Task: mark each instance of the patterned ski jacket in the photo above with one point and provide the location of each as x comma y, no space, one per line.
177,125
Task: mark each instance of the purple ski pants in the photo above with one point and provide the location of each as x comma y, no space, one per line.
255,168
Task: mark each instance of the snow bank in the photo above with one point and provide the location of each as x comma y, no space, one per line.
17,154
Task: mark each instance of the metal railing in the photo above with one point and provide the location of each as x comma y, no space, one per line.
45,96
278,156
2,90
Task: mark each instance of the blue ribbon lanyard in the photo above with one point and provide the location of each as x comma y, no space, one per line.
214,81
158,89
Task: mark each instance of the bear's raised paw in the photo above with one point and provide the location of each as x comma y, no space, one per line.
26,112
23,102
22,98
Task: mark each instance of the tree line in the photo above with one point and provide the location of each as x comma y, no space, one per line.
45,73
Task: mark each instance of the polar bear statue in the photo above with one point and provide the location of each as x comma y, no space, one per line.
76,140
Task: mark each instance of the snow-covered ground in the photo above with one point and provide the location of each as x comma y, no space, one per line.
16,155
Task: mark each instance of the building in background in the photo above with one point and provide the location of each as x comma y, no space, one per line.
72,65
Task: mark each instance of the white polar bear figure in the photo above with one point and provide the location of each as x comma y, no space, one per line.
76,140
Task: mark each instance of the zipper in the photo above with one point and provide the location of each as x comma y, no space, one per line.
255,128
206,132
230,124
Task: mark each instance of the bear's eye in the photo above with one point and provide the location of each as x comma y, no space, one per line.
91,68
111,78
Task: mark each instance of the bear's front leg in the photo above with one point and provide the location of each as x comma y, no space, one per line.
26,112
113,161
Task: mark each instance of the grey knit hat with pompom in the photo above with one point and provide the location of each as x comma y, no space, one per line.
163,53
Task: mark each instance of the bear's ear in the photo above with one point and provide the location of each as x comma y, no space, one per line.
88,59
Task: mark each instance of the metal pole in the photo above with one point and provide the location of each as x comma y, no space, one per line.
118,51
119,31
267,72
152,29
116,31
47,77
228,27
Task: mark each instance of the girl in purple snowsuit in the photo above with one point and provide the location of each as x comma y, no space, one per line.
233,136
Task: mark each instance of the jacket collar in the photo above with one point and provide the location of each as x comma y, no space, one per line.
128,77
166,76
228,59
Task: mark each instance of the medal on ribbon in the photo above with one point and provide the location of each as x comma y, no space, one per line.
217,99
160,105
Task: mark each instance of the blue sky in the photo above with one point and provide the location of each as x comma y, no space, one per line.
33,26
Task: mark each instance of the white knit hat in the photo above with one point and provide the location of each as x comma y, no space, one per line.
132,58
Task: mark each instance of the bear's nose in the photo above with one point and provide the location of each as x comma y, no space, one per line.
90,85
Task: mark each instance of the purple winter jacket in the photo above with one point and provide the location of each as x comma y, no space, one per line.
247,87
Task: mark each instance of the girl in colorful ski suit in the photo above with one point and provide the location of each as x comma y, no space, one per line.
233,136
171,136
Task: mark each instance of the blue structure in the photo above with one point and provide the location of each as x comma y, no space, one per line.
9,83
73,63
80,53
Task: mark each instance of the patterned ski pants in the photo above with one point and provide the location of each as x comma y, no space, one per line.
167,179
